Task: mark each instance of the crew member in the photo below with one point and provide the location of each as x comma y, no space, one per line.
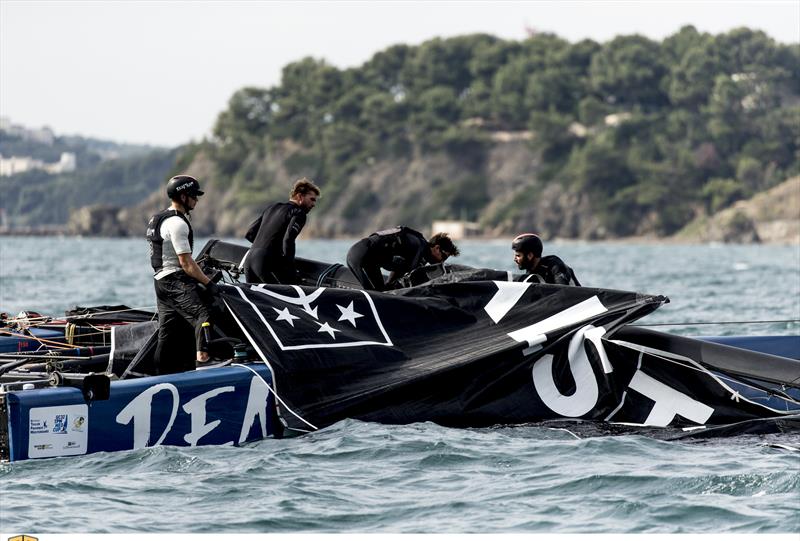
398,250
178,279
273,234
549,269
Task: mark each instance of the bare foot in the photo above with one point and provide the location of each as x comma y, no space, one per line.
202,357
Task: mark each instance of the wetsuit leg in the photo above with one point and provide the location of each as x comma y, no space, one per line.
175,345
367,272
250,275
255,259
180,309
257,270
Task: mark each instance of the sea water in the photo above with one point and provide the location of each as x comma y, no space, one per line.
367,477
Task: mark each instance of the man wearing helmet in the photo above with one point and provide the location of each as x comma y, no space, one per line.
177,275
398,250
549,269
271,258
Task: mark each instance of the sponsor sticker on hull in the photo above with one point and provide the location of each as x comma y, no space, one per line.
58,431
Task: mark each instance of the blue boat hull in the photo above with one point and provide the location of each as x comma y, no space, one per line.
230,405
782,346
14,343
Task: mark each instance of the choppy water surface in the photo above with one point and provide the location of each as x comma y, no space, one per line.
364,477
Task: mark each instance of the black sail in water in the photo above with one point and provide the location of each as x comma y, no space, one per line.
475,354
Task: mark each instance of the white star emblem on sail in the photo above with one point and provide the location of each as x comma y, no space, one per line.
349,314
310,318
284,315
324,327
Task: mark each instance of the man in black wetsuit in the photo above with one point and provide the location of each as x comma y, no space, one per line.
398,250
549,269
271,258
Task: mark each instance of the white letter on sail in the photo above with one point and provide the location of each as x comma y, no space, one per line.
668,402
586,391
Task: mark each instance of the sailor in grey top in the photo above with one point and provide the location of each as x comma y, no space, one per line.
175,233
177,280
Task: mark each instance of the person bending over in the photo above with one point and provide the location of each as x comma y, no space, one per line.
398,250
549,269
273,234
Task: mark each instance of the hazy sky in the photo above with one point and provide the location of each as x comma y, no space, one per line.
160,72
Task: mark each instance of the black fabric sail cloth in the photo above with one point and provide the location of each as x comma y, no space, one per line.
477,354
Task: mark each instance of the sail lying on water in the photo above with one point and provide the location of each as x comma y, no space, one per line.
480,353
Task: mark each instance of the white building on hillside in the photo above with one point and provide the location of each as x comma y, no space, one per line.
457,229
43,135
16,164
66,164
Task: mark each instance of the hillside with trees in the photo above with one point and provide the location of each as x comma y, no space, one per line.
639,136
583,140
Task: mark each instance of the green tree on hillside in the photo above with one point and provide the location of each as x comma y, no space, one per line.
655,131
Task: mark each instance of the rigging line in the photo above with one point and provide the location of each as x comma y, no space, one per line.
262,357
40,340
713,322
30,321
718,374
102,327
100,331
46,319
78,316
276,395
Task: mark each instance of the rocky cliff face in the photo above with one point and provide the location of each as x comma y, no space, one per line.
769,217
133,220
96,220
415,191
503,184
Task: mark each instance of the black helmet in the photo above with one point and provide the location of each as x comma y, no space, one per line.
527,243
183,184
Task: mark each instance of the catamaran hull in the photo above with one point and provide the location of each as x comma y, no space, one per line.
230,405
